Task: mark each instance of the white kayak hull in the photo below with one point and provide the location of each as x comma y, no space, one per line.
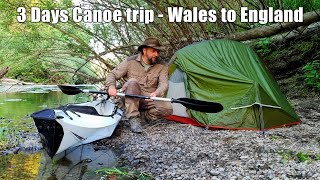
73,125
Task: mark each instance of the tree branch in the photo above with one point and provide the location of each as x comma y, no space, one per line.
266,31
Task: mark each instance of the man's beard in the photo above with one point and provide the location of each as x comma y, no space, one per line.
153,62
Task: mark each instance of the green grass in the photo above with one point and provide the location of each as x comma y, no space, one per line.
303,157
122,173
286,155
274,137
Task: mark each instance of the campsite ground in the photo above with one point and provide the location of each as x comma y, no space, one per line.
169,150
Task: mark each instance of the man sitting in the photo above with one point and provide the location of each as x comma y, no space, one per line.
145,76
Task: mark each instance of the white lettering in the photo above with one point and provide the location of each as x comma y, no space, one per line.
175,14
35,14
75,14
22,14
96,16
178,14
271,15
212,15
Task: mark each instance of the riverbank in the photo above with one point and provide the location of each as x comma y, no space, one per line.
13,85
169,150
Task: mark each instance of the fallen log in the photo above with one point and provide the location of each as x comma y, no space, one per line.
267,31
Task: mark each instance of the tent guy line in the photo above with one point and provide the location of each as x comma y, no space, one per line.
264,105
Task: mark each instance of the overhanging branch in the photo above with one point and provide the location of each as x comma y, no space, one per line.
266,31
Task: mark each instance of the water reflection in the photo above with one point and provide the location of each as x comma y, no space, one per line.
16,105
76,163
20,166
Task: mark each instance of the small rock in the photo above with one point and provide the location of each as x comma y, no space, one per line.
15,150
135,162
214,172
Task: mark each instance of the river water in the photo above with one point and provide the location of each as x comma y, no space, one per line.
25,159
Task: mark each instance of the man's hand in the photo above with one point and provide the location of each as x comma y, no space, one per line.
112,92
154,94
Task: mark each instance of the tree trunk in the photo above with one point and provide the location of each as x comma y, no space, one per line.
3,72
266,31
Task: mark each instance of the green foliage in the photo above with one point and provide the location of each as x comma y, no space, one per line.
121,173
300,156
263,46
304,46
274,137
39,52
308,5
286,155
21,42
312,74
29,71
303,157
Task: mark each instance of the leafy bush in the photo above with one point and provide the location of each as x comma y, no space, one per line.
30,71
37,72
308,5
263,46
312,74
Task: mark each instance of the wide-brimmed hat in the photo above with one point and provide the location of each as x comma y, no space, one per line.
151,42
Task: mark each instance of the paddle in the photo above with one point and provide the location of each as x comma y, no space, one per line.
198,105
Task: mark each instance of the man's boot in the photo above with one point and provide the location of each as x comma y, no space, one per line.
135,125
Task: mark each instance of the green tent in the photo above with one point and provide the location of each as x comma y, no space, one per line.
230,73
